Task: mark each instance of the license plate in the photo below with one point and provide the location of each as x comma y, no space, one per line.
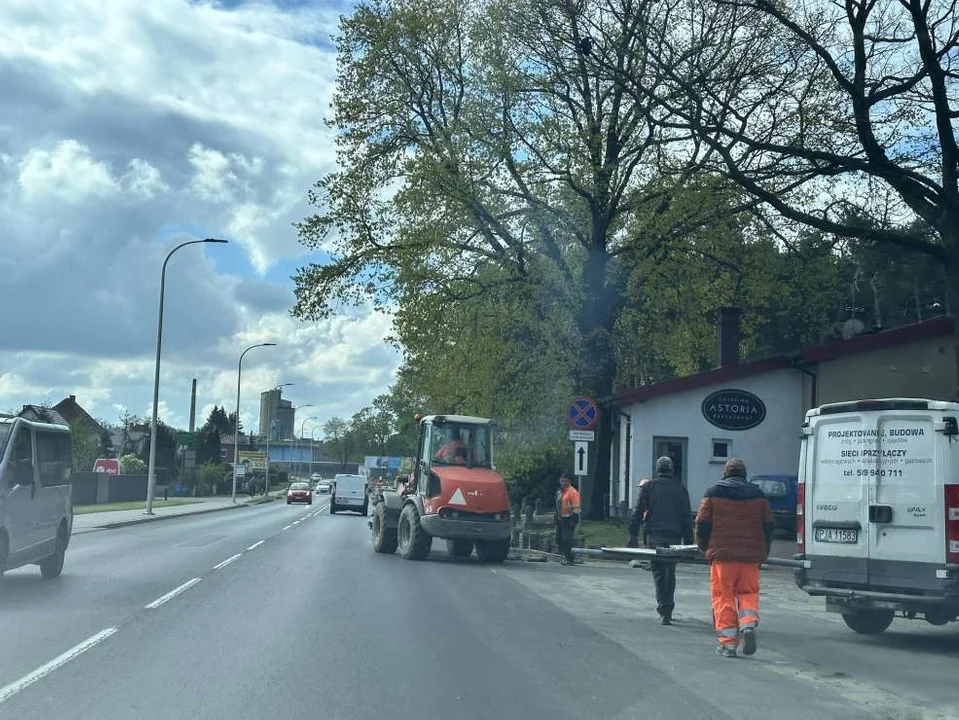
837,535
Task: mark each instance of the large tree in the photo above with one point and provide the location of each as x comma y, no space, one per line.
837,115
484,145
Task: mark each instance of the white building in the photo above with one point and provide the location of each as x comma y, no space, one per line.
754,410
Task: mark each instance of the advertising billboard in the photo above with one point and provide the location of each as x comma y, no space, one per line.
253,460
380,462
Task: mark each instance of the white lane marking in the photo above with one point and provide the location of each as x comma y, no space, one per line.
287,527
297,522
13,688
172,594
255,545
227,561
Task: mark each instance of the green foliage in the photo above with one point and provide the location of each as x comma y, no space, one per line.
85,438
132,465
166,448
208,474
532,470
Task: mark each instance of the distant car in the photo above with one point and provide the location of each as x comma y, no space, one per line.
299,492
323,488
316,477
781,492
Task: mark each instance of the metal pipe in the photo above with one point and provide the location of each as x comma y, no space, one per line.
677,557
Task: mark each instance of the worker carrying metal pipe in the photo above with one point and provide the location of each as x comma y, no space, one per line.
663,512
734,528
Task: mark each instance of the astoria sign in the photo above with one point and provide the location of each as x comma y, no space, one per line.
734,409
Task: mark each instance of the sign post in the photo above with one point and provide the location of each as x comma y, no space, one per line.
582,417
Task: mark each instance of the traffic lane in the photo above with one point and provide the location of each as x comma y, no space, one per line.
112,574
817,657
912,659
317,625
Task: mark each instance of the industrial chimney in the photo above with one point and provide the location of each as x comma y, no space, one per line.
193,407
729,336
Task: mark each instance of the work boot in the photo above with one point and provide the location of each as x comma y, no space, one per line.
665,620
727,651
749,641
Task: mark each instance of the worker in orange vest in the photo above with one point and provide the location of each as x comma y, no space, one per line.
734,528
568,510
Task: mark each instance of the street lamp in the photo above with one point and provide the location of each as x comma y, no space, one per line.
295,441
151,471
302,436
236,426
269,432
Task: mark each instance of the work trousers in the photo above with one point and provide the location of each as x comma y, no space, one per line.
664,575
735,592
564,536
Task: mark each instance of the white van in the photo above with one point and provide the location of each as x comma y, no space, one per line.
349,493
878,510
36,509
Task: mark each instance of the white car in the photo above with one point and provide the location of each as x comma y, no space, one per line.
349,493
322,488
878,510
36,507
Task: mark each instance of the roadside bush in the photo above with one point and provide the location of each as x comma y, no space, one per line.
132,465
532,471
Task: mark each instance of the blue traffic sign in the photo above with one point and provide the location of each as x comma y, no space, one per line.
582,413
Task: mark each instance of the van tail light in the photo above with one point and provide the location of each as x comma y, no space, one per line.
801,517
952,523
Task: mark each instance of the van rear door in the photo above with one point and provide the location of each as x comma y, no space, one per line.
837,497
907,522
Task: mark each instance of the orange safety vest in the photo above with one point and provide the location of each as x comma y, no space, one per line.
569,502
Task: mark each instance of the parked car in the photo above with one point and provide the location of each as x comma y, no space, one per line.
299,492
780,491
36,507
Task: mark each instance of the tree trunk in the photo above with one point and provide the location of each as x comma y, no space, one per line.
599,369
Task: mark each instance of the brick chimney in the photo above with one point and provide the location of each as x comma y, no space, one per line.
728,354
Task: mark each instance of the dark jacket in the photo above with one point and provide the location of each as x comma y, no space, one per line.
667,501
735,522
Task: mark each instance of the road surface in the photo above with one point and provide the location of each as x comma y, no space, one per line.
285,612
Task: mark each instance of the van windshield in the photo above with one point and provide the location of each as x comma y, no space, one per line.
4,436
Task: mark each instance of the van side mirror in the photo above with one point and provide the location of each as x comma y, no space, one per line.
951,428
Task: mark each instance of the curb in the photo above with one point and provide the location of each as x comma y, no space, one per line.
156,518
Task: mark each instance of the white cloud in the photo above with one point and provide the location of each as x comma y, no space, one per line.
67,173
135,123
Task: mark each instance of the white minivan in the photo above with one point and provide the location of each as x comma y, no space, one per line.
36,509
349,493
878,510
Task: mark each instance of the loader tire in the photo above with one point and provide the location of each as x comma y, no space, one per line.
492,551
413,542
459,548
384,538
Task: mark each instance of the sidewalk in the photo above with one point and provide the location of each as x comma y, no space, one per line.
90,522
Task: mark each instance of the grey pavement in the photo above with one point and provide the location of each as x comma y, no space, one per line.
285,612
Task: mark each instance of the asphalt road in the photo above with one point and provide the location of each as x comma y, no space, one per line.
304,620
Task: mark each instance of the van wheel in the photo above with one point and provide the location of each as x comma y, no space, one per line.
52,566
868,622
384,538
414,543
332,508
494,551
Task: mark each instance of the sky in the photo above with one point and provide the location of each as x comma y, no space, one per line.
128,127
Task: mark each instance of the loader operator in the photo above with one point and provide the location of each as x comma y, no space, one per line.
453,451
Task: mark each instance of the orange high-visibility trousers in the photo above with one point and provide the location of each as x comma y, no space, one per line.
735,592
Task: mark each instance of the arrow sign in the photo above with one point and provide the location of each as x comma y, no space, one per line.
580,458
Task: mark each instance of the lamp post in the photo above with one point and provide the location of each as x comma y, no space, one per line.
236,427
151,471
302,436
312,447
269,432
295,441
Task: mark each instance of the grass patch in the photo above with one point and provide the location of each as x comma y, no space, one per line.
259,500
137,505
608,533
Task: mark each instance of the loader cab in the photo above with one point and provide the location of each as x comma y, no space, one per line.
451,440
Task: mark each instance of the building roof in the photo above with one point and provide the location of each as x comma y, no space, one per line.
944,326
70,409
39,413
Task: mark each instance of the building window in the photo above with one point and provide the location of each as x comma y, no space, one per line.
722,450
